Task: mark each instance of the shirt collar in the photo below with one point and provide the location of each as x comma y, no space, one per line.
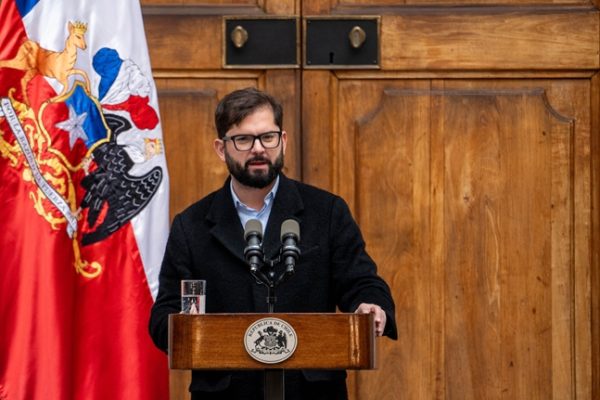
239,205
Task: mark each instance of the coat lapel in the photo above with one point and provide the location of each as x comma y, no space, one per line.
288,204
227,227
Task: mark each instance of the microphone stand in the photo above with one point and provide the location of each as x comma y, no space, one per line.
289,252
274,378
270,281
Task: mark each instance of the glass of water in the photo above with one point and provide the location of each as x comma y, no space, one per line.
193,296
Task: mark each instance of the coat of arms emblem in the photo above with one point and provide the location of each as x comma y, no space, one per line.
86,151
270,340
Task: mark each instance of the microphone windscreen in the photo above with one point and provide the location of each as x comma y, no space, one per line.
253,227
290,226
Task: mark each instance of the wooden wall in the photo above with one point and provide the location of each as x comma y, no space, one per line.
470,159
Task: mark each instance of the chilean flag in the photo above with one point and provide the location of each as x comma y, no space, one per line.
83,202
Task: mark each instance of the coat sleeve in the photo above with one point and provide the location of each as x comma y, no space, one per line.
175,266
354,271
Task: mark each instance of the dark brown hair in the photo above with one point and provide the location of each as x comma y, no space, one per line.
237,105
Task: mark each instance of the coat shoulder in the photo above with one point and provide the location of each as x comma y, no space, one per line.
315,195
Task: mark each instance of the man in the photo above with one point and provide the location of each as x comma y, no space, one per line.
207,242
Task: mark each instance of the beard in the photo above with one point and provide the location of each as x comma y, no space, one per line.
259,179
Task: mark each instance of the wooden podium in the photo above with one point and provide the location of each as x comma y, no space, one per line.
223,341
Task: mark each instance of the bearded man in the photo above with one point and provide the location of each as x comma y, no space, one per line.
207,242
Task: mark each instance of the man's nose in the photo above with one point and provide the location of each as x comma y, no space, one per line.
257,146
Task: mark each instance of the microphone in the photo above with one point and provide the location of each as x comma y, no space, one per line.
290,236
253,251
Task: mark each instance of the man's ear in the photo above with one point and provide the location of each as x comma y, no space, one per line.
283,141
219,147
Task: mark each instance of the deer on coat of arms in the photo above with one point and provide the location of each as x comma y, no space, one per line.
59,65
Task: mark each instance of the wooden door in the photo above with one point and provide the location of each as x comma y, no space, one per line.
469,159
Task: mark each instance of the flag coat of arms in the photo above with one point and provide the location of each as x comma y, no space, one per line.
84,202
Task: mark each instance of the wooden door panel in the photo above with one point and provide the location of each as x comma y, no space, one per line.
484,39
500,277
465,192
382,147
568,225
181,109
189,44
389,156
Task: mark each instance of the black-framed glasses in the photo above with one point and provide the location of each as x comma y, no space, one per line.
268,140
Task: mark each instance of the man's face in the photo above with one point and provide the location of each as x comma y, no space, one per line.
259,166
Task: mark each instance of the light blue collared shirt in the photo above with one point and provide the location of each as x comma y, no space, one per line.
246,213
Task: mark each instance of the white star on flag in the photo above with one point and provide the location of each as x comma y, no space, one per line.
74,125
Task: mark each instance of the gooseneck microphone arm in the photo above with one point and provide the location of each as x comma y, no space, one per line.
254,255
